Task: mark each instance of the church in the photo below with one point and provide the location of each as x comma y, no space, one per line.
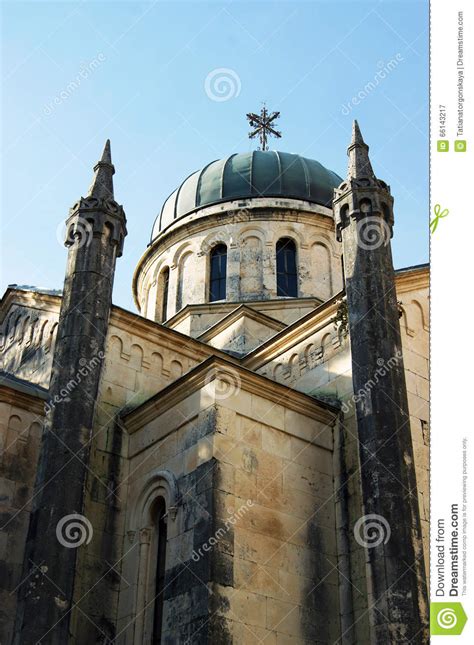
246,459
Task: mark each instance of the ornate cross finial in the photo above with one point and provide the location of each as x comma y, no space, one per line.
262,124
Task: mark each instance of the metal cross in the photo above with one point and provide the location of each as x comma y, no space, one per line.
262,126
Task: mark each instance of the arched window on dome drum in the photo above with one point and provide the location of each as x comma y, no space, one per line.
163,289
287,277
218,273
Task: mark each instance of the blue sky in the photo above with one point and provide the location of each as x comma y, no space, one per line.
139,72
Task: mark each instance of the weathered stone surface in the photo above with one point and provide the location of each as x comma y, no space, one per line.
364,219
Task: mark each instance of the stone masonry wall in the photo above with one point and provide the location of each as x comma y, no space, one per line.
251,239
251,552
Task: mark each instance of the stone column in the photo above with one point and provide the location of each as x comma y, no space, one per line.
142,584
389,528
95,234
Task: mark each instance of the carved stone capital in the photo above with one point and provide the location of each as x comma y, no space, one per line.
104,204
144,535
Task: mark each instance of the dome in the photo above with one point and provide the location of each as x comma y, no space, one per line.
251,174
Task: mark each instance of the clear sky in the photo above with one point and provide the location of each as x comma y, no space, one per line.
76,73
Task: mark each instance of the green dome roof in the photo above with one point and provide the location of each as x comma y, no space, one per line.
250,174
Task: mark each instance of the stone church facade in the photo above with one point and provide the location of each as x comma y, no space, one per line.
246,460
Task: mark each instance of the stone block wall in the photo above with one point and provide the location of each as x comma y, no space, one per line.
252,548
251,239
20,436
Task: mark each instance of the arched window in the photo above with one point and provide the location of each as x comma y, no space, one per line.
287,279
153,518
161,532
218,273
163,290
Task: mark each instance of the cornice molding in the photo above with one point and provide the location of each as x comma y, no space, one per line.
242,311
26,397
214,368
229,307
149,330
194,224
412,278
28,299
295,333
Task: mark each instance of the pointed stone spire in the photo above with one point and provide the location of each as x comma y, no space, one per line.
359,163
102,184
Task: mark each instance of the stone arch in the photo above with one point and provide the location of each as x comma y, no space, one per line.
33,328
326,343
176,369
183,270
323,279
160,263
328,241
251,230
159,490
116,347
290,232
159,483
162,293
15,432
211,240
294,366
23,328
9,322
420,314
278,372
136,357
156,362
42,332
51,337
16,325
308,351
178,254
35,430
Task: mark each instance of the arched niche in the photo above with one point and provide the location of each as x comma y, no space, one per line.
251,267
